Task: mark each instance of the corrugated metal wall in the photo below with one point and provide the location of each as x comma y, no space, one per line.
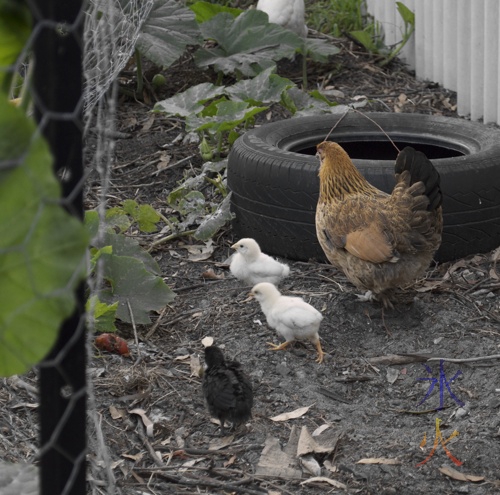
456,43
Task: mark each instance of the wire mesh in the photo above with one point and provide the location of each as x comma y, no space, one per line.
70,64
111,32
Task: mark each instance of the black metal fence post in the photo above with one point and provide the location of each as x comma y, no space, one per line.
57,94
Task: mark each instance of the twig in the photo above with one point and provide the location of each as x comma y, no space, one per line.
465,360
332,395
170,237
427,411
180,317
135,332
156,323
197,481
146,442
174,165
398,359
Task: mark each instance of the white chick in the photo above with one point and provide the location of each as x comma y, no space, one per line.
287,13
252,266
291,317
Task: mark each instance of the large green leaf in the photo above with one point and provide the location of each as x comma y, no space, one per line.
320,50
204,11
247,44
222,116
42,247
15,29
167,31
262,89
190,101
131,284
212,223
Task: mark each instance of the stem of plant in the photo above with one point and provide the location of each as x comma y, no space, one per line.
140,82
170,237
304,66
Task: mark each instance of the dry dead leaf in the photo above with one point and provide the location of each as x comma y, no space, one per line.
291,415
221,442
230,461
164,162
201,253
320,430
136,457
457,475
379,460
182,358
196,367
276,463
324,479
392,375
211,275
148,124
310,464
327,464
117,413
145,420
308,445
207,341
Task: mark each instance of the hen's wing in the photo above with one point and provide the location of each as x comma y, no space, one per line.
360,225
379,228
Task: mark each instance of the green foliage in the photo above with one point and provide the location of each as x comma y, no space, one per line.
136,289
101,315
263,89
372,37
222,117
194,209
166,32
42,246
190,101
15,29
335,17
246,45
204,11
133,278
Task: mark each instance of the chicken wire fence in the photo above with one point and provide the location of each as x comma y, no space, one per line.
47,410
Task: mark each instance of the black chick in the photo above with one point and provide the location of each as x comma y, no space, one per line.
227,389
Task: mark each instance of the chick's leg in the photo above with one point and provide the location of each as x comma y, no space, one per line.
274,347
321,354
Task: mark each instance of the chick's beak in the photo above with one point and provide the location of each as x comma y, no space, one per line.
249,298
234,246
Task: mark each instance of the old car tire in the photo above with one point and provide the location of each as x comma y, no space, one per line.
272,173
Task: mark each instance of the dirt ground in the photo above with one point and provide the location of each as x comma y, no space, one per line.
364,402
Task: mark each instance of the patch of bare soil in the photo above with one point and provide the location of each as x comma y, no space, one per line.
367,395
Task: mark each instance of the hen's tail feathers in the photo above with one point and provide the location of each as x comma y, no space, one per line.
421,169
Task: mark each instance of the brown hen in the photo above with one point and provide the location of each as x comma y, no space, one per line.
380,241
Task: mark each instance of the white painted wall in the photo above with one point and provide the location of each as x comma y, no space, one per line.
456,43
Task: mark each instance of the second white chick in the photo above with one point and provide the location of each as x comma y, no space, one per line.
252,266
291,317
287,13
